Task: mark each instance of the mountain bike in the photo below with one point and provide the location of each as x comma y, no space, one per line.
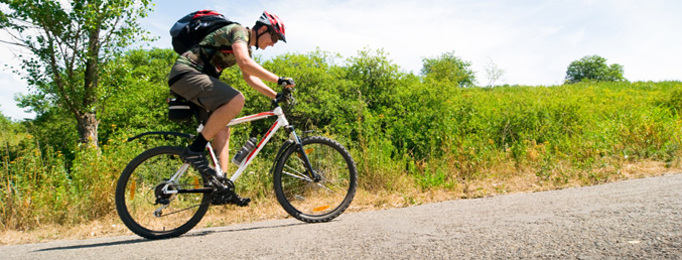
160,196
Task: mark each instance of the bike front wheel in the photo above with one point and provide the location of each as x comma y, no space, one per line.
150,205
316,201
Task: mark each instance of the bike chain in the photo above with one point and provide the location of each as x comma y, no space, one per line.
225,187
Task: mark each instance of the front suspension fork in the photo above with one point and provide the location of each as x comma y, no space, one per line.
302,154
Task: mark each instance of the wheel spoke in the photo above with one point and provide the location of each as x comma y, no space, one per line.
173,212
319,201
297,174
156,176
325,187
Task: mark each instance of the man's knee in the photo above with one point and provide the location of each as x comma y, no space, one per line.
223,136
235,104
224,133
238,100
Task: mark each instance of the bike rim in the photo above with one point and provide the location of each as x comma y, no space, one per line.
141,201
317,199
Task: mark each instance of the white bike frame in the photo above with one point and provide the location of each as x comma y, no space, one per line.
281,121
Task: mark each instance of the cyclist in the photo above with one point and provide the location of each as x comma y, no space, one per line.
194,76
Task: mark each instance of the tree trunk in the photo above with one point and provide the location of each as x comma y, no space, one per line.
87,129
87,121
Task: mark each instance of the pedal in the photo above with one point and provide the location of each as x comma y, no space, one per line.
239,201
229,197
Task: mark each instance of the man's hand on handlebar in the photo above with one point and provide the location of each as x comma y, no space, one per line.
287,85
286,82
285,96
280,96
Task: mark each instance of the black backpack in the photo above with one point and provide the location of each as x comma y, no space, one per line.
191,29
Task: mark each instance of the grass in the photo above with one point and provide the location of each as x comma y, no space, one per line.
268,208
476,142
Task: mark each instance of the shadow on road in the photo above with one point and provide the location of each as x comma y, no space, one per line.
230,230
143,240
117,243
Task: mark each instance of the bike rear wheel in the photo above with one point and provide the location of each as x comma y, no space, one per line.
311,201
148,211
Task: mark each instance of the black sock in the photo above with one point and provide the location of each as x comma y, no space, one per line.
199,144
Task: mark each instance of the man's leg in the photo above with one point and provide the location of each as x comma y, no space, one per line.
221,144
216,129
211,94
216,123
221,116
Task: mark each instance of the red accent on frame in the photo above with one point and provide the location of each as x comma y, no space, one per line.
261,114
261,141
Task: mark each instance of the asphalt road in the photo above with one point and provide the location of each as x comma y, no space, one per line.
636,219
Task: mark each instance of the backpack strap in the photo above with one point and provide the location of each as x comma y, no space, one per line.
208,68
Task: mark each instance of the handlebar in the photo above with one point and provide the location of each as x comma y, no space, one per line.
285,95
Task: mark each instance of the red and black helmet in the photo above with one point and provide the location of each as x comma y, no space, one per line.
273,23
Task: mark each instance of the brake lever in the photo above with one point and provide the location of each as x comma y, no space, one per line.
291,100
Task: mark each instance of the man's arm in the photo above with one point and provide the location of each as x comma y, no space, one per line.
258,84
252,72
248,65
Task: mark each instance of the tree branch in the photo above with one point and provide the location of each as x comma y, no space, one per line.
74,55
58,81
13,43
111,32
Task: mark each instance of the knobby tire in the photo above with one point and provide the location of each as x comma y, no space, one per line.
311,201
135,195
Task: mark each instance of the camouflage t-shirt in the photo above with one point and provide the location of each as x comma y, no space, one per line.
221,59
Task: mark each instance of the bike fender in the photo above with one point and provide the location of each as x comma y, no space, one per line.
162,134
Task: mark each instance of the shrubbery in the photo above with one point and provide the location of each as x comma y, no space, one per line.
401,128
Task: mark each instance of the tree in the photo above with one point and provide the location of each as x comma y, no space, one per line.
376,75
139,103
68,42
593,68
493,72
449,68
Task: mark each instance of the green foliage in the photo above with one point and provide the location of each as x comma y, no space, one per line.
39,188
375,77
138,104
593,68
674,102
68,42
322,91
449,68
404,131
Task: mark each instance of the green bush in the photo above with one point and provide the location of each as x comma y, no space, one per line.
406,132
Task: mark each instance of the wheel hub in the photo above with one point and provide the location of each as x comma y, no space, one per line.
161,196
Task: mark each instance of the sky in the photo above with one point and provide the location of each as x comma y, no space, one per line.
531,42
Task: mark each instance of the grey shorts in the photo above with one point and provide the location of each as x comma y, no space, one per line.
208,92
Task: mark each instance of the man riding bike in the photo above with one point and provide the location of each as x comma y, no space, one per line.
194,76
